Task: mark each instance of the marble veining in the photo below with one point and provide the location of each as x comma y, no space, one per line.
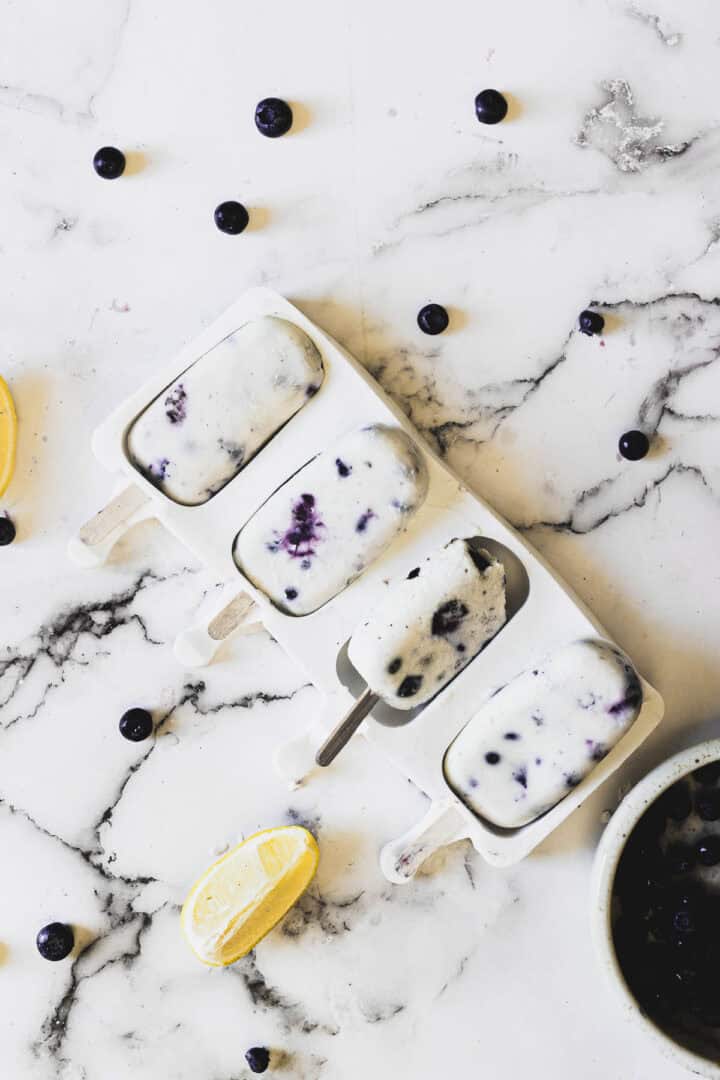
599,190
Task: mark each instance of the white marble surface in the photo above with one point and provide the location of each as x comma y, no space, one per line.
602,187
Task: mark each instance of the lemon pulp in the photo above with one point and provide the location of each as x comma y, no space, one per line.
247,892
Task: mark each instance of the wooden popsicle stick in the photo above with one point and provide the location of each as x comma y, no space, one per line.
196,646
343,732
116,513
96,539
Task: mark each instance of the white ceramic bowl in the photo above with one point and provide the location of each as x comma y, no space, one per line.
611,847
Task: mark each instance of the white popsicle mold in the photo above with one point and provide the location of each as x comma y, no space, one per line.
549,616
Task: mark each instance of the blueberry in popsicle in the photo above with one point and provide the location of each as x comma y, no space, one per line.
426,630
207,425
543,732
333,518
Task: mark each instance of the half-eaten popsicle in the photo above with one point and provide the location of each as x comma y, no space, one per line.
426,630
542,733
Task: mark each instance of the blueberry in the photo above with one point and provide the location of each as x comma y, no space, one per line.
492,757
634,445
109,162
490,107
521,776
409,686
7,531
679,859
414,573
231,217
708,774
707,804
591,322
708,850
480,561
433,319
511,735
273,117
55,941
136,725
676,803
448,618
291,594
258,1059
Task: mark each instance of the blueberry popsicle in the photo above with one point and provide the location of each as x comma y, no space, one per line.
205,427
334,517
426,630
543,732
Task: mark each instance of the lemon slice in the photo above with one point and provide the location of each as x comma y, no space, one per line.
8,435
244,894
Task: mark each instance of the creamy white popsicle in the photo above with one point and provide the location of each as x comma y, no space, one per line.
204,428
536,739
431,625
326,524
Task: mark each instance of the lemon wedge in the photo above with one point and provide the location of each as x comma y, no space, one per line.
247,892
8,435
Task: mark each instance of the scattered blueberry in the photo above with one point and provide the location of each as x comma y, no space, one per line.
258,1059
708,774
634,445
109,162
708,850
590,323
512,735
231,217
414,573
343,469
490,107
492,757
136,725
55,941
433,319
707,804
273,117
7,531
291,594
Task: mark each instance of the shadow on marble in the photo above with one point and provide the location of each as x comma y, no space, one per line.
302,118
613,322
260,218
135,162
516,109
459,319
84,938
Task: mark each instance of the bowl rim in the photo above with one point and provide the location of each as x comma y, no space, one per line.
611,846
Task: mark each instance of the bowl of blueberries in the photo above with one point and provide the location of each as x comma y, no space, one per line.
656,916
